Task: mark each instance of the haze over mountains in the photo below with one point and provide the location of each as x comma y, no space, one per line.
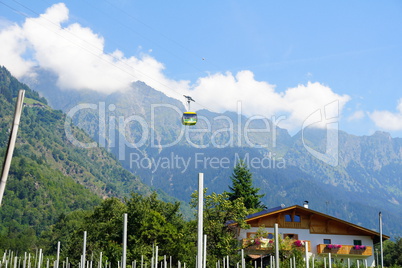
347,176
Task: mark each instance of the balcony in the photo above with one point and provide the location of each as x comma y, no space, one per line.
267,246
345,250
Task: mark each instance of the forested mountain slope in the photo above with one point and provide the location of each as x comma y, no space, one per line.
49,176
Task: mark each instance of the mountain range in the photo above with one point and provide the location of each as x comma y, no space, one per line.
347,176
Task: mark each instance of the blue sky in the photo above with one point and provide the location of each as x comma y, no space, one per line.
277,57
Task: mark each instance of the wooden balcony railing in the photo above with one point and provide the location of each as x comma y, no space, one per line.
344,250
293,225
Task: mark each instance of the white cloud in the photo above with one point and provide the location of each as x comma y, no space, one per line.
76,55
13,46
356,116
388,120
221,92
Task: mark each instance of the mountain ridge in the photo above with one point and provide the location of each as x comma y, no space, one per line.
366,174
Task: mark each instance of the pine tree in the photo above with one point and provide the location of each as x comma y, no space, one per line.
243,187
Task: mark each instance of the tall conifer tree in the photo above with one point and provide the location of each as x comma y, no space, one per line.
242,186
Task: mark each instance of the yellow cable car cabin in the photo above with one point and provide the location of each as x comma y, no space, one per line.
189,118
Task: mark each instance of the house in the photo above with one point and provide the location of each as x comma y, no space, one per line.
325,234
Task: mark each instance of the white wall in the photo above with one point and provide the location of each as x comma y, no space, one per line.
315,239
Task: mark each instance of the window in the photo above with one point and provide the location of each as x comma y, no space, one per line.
357,242
327,241
291,236
292,218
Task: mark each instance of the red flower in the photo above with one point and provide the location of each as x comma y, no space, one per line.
298,243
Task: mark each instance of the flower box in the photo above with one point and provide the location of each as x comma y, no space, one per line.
333,246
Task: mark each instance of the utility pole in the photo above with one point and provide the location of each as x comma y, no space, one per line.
11,142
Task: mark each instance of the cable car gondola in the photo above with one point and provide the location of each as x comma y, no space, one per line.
189,118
